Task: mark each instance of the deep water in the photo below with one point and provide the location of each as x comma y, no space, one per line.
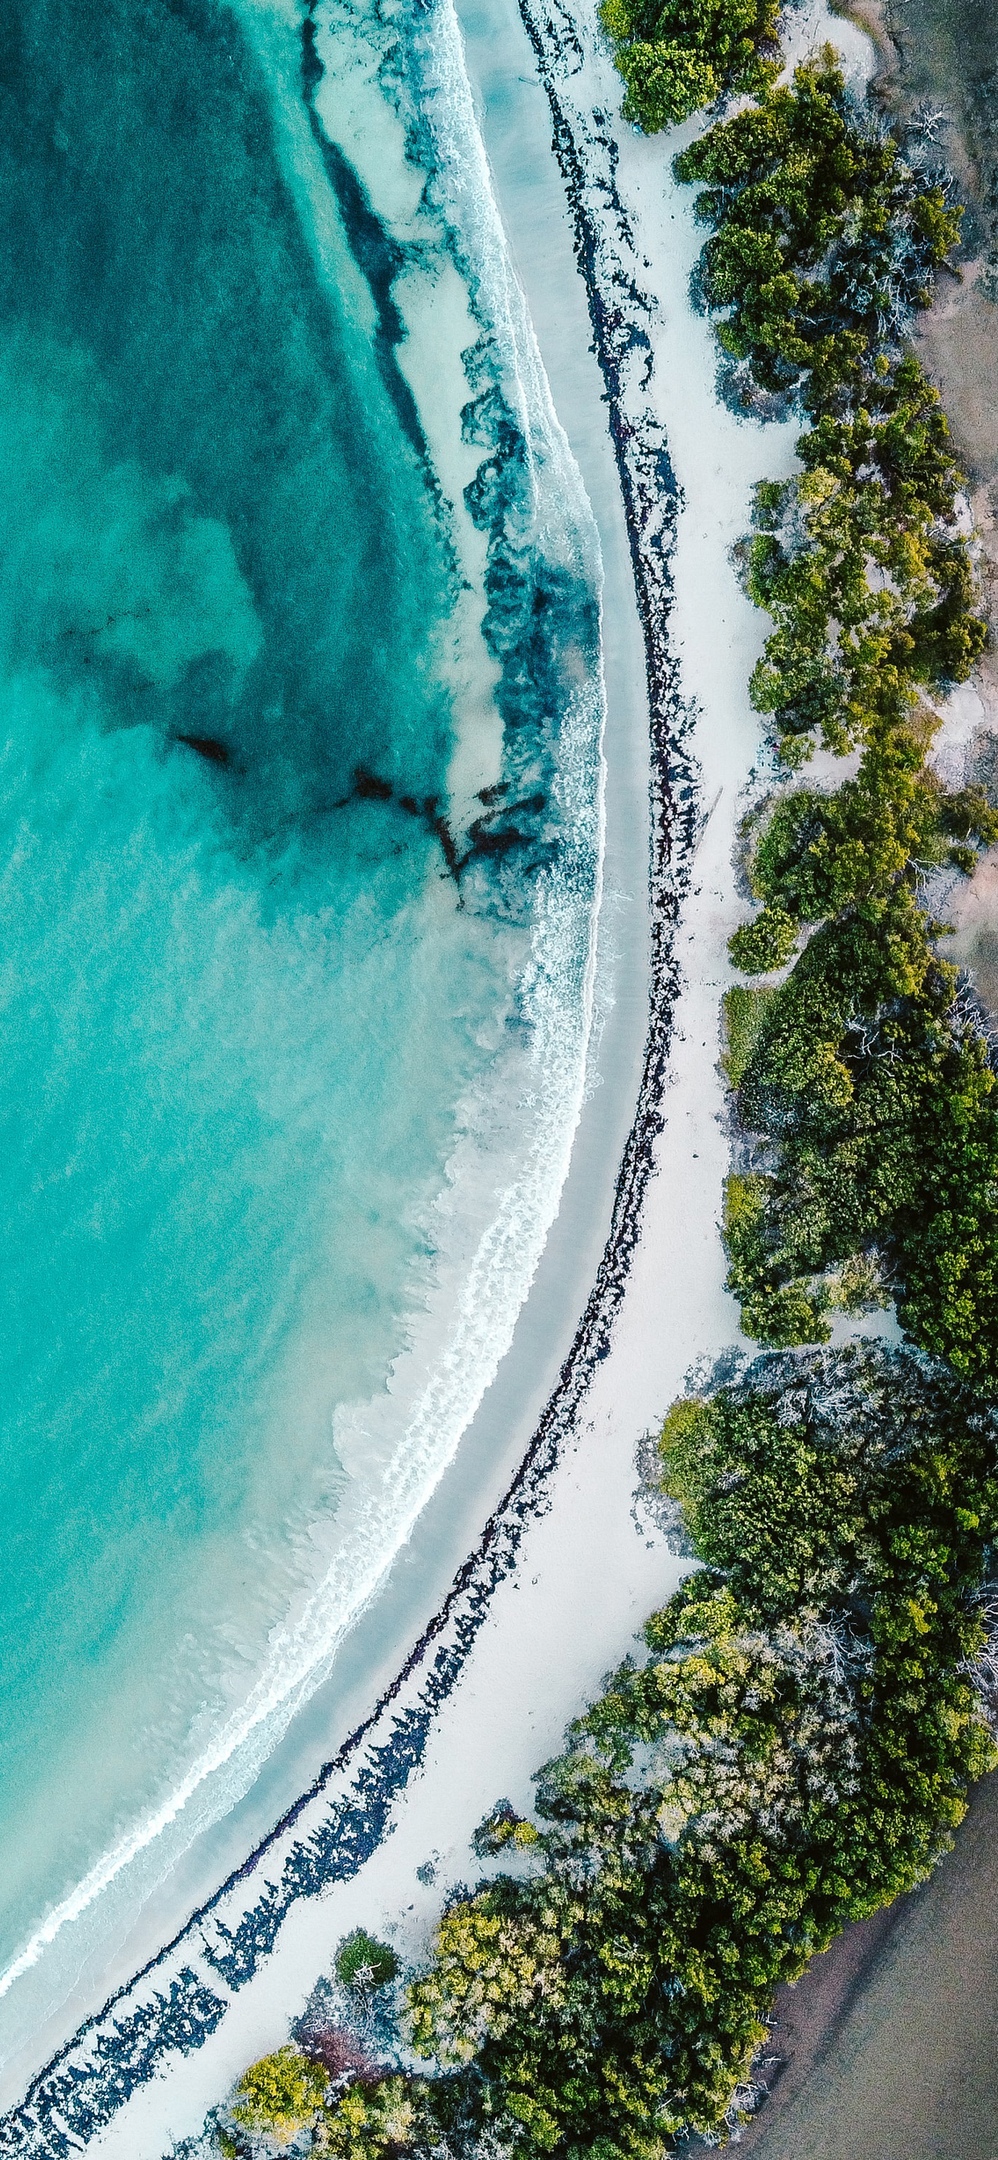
255,972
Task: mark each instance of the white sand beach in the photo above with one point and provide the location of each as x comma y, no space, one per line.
589,1564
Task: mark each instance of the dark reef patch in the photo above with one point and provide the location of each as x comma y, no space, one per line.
377,255
208,747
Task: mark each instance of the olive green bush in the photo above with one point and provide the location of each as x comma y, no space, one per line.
377,2119
824,236
870,1096
280,2094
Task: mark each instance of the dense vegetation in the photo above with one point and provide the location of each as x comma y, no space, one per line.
824,239
875,1168
797,1743
280,2094
792,1751
882,1117
677,55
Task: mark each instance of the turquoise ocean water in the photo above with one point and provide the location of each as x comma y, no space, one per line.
299,858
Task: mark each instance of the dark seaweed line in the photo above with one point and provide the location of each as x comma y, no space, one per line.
69,2101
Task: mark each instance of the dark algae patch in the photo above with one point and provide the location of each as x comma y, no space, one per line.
155,266
208,747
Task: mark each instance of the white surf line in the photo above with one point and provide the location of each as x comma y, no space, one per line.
472,1358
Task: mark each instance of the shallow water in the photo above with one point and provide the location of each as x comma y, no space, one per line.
299,849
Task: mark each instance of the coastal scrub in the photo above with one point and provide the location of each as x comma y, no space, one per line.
865,1093
678,55
825,236
280,2095
792,1752
793,1749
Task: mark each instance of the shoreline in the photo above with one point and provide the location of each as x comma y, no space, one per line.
488,1490
181,2022
489,1187
649,504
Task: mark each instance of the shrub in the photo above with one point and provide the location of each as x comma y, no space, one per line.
858,1286
762,946
884,1118
280,2094
792,1751
677,55
773,1310
383,2120
797,1743
363,1963
824,238
685,1426
503,1827
743,1014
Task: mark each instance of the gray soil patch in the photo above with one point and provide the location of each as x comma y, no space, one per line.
888,2047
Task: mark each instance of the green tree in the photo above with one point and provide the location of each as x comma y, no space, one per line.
762,946
824,237
381,2120
677,55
